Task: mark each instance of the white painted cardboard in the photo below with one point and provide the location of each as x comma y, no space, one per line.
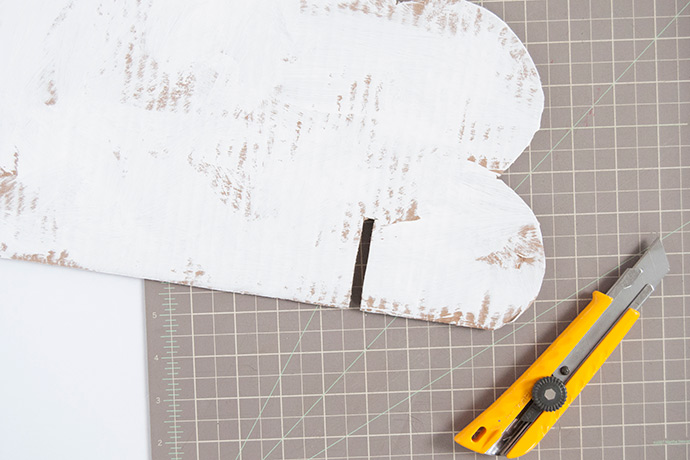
240,145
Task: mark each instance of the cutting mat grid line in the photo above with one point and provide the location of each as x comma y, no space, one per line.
615,179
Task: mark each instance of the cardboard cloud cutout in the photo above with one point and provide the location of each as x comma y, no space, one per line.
241,145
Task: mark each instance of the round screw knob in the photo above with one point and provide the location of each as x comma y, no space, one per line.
549,394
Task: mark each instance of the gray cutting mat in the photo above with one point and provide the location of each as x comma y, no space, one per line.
609,169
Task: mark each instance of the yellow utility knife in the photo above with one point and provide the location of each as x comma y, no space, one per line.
525,412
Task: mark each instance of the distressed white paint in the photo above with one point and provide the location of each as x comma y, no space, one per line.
239,145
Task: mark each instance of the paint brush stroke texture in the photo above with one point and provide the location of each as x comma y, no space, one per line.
240,145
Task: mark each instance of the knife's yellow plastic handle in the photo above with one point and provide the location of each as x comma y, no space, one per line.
577,382
485,430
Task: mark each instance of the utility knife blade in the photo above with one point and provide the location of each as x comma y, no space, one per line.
525,412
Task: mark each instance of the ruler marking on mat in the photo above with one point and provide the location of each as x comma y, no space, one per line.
174,451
